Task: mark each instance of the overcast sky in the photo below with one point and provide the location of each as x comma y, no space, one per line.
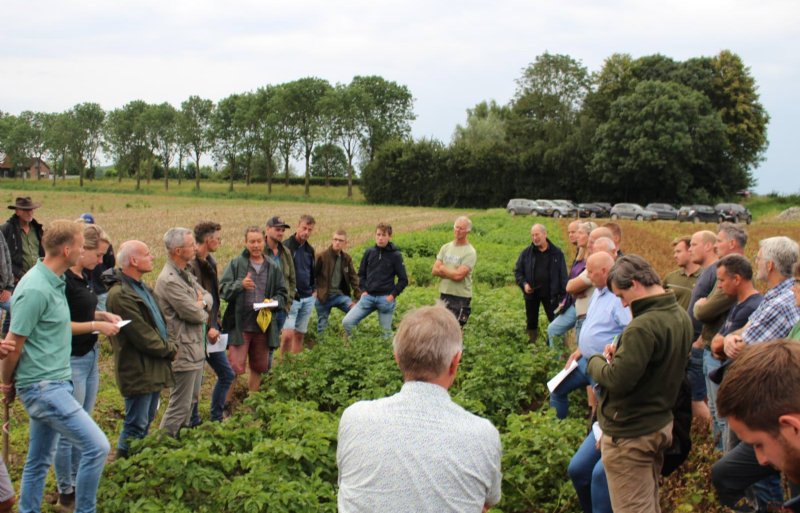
451,55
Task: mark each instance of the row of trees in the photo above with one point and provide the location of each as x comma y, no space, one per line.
646,129
336,124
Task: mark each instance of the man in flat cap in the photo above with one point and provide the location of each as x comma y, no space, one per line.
23,235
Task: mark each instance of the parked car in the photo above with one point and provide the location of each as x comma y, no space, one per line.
592,210
568,208
698,213
632,211
734,213
520,206
605,206
663,210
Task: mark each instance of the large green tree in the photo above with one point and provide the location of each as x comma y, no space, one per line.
195,129
386,110
86,135
163,134
328,160
126,138
229,133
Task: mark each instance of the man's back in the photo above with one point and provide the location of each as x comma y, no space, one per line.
416,451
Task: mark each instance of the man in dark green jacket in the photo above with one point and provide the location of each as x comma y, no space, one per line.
638,380
143,351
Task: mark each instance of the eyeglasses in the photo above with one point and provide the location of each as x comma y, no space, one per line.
339,240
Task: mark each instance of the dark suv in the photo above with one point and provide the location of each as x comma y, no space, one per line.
734,213
698,213
664,210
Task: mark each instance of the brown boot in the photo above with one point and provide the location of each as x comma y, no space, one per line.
532,336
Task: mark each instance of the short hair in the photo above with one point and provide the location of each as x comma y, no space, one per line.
762,384
686,239
615,228
385,228
736,265
466,219
341,233
629,268
781,251
126,250
706,236
735,233
253,228
60,233
609,244
541,227
174,237
205,228
308,219
93,236
426,341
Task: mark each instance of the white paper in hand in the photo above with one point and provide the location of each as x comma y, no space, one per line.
268,304
221,344
558,378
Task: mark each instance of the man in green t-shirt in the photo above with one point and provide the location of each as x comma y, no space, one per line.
454,265
37,368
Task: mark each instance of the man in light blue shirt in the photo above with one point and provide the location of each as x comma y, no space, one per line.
38,369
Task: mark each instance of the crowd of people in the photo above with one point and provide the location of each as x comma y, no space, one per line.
643,342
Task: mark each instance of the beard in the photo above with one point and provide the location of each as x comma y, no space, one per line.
791,460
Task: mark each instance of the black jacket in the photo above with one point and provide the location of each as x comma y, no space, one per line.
378,268
13,235
292,245
523,270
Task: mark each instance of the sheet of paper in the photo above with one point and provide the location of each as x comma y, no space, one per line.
222,343
558,378
120,324
268,304
597,431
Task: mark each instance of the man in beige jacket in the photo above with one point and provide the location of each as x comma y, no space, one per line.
186,306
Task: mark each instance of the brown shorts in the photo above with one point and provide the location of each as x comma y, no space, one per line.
254,346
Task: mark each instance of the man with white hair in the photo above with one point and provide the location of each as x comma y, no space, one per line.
186,306
417,450
454,264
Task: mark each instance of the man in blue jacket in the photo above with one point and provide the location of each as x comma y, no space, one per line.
381,264
541,273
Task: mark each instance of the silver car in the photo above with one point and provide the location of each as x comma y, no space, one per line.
632,211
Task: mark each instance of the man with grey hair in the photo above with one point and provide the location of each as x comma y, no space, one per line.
639,377
454,264
186,306
143,350
417,450
541,273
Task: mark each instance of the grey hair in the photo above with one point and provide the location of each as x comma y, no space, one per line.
735,233
629,268
540,226
125,251
587,227
427,339
609,244
463,218
781,251
174,237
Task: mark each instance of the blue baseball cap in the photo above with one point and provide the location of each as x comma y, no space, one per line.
88,218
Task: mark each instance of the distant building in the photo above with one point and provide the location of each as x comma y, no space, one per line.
34,168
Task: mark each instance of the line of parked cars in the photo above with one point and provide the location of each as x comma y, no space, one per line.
731,212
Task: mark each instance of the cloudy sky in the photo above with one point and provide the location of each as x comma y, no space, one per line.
451,55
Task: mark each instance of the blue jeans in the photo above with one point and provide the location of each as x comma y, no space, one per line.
578,378
339,301
101,301
365,306
695,374
561,324
6,305
140,410
53,411
589,477
85,382
280,318
300,314
718,424
222,368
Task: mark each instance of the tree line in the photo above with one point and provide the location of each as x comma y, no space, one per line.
327,126
646,129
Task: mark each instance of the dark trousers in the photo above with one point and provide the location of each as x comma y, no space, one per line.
738,470
532,310
459,306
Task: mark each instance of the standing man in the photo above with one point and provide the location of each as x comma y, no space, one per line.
143,351
186,307
445,459
204,268
382,277
639,378
541,273
760,396
682,280
294,330
23,235
37,368
454,265
282,257
336,280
